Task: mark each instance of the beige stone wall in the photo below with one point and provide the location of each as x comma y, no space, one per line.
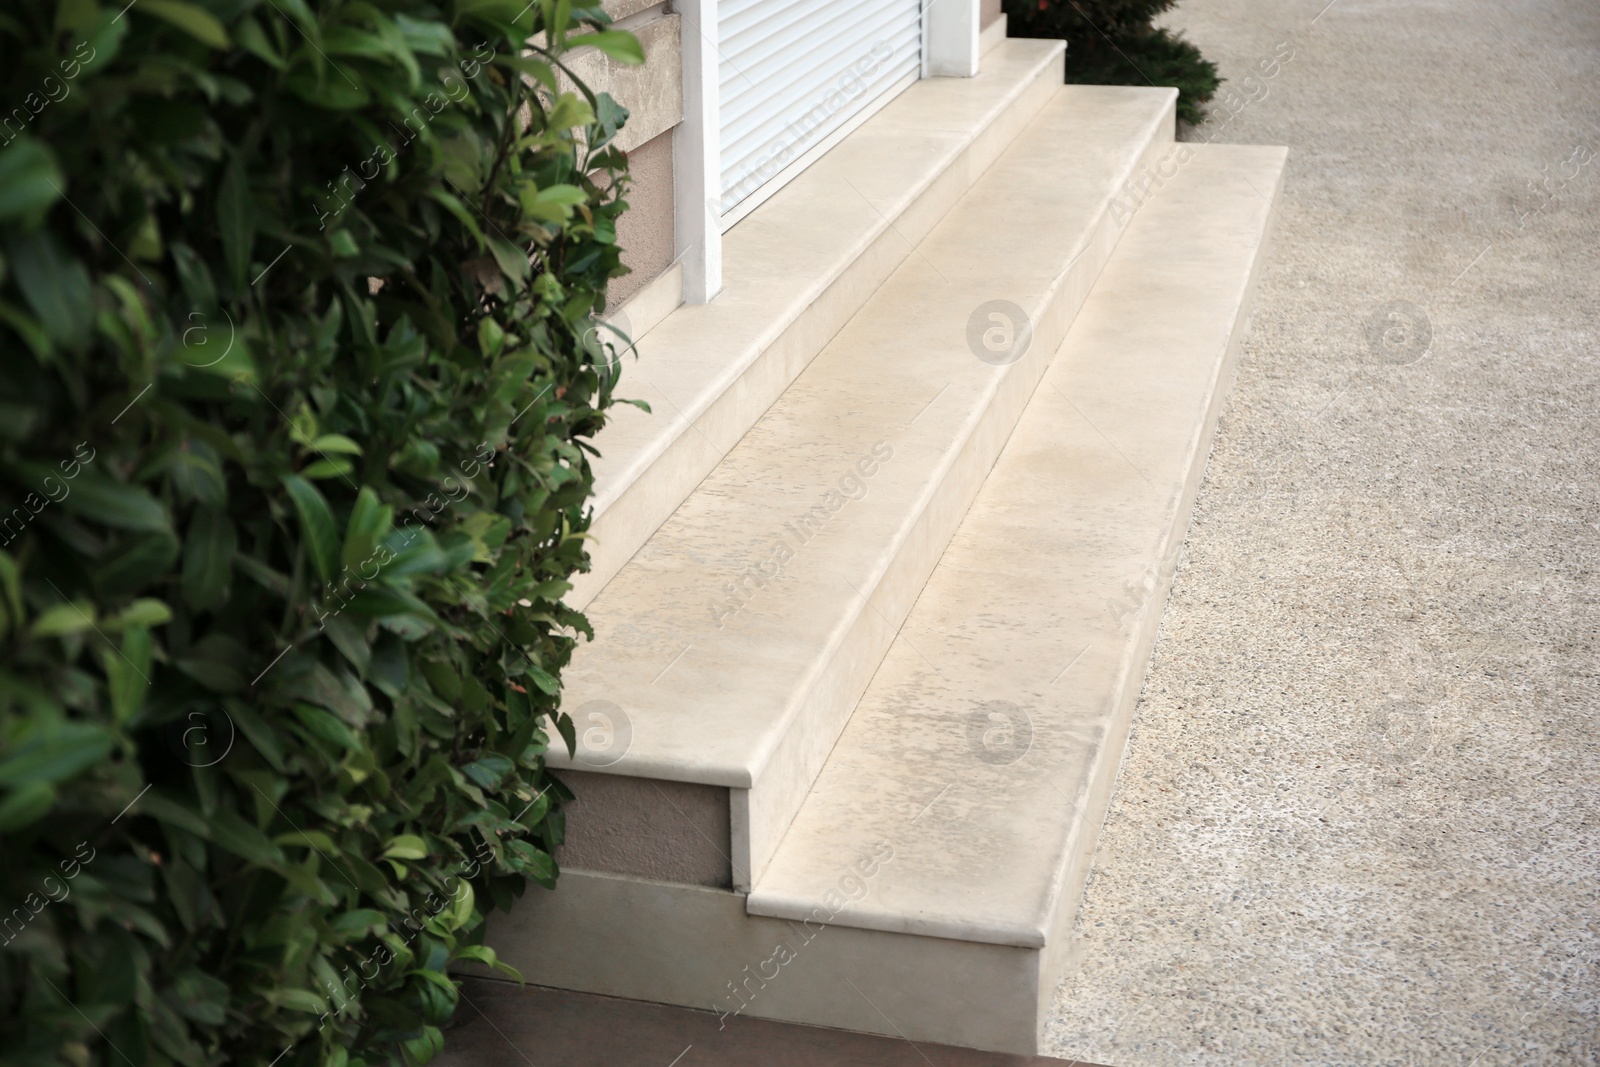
653,95
646,230
666,831
621,9
988,12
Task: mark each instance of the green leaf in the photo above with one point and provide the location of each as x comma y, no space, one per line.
618,44
26,806
231,832
197,473
342,244
358,921
552,204
301,1000
349,637
105,500
496,13
28,328
215,675
146,611
316,525
200,997
329,468
236,221
262,737
55,285
543,679
489,770
136,564
187,892
76,15
333,89
406,847
166,810
316,840
195,21
454,205
532,861
128,670
11,613
570,110
491,337
335,442
248,32
326,726
104,41
462,905
369,524
424,38
54,754
431,1043
208,559
488,532
64,619
485,955
30,180
512,260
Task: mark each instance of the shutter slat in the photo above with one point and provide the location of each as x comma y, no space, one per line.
794,71
813,65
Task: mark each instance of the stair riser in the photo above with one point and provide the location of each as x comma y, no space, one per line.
626,519
676,944
762,813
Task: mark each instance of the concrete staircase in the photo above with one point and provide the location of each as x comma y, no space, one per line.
877,584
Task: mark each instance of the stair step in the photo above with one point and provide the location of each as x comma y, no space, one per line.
986,746
796,271
739,638
926,888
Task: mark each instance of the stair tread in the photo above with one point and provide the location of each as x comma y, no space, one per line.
710,698
1043,608
780,259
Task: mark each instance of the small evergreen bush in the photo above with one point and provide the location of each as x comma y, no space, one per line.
297,375
1113,42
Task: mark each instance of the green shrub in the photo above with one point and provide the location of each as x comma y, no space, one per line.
297,370
1113,42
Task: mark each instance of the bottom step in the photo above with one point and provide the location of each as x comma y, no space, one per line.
927,887
502,1025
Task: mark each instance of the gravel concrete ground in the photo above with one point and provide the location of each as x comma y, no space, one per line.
1357,821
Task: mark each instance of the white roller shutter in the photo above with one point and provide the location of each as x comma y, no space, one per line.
795,72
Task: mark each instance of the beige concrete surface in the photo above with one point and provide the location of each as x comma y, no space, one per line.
1357,821
1009,687
796,271
654,301
841,498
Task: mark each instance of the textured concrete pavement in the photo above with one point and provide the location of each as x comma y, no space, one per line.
1359,818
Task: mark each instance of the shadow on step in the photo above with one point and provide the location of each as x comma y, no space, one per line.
504,1024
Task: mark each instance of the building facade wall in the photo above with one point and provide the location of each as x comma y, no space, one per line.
653,95
646,230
